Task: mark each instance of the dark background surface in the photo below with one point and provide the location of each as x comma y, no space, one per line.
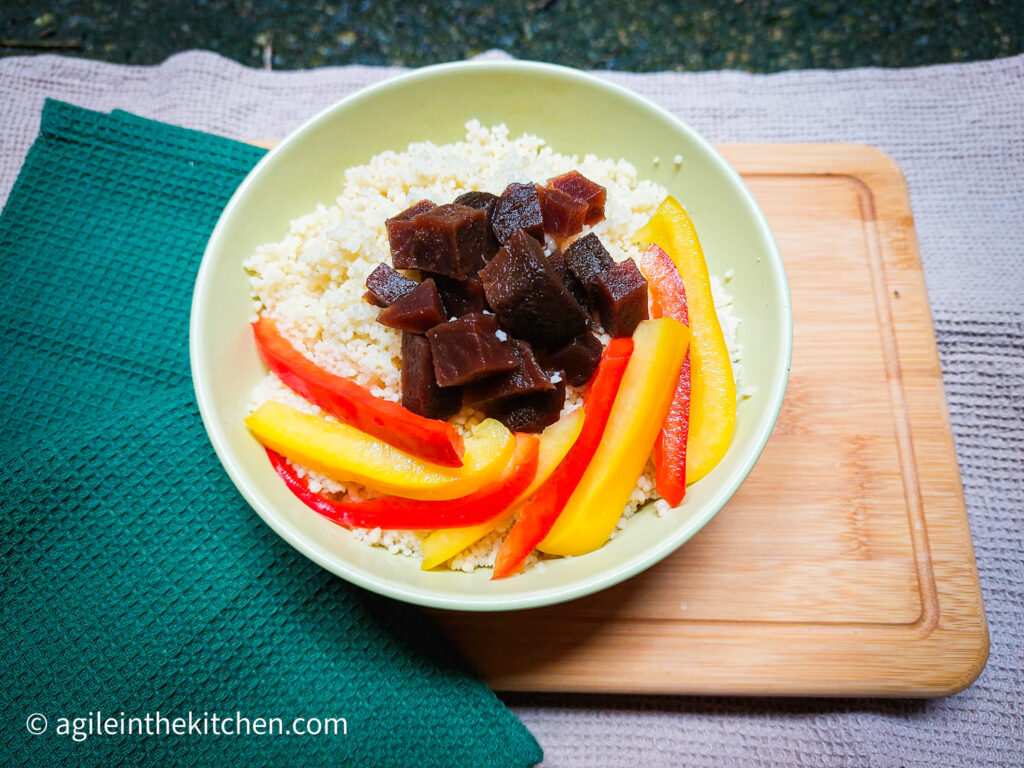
754,35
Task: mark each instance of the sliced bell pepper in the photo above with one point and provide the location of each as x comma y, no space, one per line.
344,453
432,440
639,410
555,441
667,298
539,513
298,486
713,388
408,514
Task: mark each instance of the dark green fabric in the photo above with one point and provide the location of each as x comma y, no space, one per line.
135,578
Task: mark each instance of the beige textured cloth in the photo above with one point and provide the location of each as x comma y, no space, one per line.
958,133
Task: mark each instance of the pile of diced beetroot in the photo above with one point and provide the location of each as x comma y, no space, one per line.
495,321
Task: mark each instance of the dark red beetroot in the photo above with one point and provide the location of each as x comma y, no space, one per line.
449,239
577,360
468,349
527,296
518,208
385,286
583,190
420,393
461,297
417,312
563,216
586,258
526,378
621,295
532,413
569,280
483,201
402,231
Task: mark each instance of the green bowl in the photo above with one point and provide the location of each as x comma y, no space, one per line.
576,114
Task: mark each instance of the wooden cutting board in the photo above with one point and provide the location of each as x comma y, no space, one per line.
843,566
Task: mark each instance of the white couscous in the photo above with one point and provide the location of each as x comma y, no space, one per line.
312,283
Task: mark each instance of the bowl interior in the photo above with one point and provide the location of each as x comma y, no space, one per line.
576,114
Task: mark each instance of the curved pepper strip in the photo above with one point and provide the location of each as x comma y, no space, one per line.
408,514
346,454
591,513
713,388
667,297
429,439
316,502
554,443
541,512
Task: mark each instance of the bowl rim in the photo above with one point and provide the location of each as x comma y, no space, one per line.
487,602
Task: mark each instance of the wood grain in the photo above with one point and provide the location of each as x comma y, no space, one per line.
844,564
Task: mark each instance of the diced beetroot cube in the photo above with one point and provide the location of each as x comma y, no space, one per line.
528,297
569,280
577,360
518,208
420,393
468,349
621,298
448,239
452,240
483,201
532,413
526,378
586,258
402,232
416,312
385,286
563,216
461,297
583,190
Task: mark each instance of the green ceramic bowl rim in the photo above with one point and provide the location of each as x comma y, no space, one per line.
484,602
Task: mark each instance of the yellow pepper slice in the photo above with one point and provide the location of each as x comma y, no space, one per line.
640,406
344,453
555,441
712,386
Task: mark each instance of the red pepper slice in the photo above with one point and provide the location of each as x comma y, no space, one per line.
668,299
429,439
408,514
543,509
316,502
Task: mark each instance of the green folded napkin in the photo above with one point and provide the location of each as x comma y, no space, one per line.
136,580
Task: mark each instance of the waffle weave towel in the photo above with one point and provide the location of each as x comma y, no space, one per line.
131,568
